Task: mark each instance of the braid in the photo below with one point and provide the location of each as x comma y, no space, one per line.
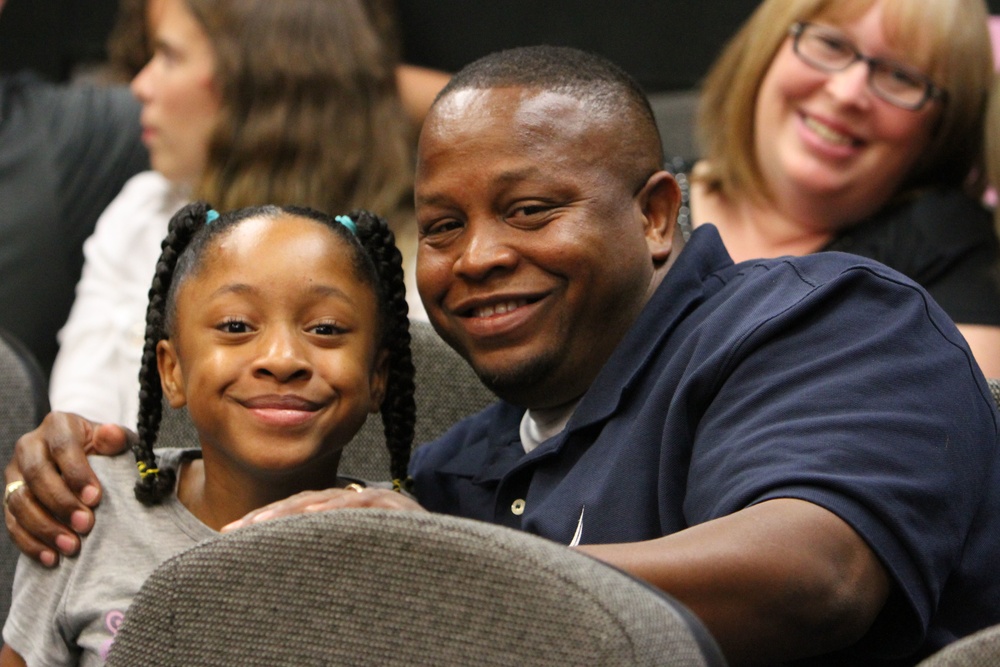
154,484
377,260
398,408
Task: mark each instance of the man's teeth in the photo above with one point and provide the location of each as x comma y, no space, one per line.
827,133
499,308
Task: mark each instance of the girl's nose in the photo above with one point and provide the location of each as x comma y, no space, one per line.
281,356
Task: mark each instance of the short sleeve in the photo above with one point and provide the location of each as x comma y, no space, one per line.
870,406
34,624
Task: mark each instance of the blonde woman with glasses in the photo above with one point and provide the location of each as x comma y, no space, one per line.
856,125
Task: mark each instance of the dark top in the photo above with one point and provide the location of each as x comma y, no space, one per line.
65,152
945,241
942,239
829,378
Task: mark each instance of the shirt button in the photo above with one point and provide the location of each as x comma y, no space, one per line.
517,507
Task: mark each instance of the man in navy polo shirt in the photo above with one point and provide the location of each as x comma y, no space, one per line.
801,450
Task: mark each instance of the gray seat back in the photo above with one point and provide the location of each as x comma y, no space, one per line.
981,649
23,403
382,587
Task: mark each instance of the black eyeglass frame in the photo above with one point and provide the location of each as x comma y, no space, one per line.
931,90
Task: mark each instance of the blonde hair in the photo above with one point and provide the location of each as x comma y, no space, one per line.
950,35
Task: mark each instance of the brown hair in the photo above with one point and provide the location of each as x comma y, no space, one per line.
310,112
992,141
128,42
952,36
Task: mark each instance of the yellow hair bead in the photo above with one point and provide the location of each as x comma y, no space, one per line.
145,471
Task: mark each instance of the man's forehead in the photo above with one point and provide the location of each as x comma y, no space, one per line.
525,115
527,105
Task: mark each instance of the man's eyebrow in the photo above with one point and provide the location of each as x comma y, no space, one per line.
502,179
516,175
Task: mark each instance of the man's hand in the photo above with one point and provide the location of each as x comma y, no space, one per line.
45,516
329,499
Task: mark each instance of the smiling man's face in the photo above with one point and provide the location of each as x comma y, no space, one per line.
533,259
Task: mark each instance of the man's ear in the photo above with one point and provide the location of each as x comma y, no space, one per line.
171,379
379,380
660,200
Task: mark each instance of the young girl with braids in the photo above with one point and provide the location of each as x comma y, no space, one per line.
245,102
281,329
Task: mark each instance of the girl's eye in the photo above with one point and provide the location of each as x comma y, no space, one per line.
327,329
234,327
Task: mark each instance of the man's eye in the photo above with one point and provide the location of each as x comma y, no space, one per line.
441,227
529,210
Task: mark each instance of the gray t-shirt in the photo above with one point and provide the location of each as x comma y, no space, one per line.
68,615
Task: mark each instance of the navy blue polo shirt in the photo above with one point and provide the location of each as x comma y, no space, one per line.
829,378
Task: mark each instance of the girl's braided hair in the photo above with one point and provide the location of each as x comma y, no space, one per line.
377,262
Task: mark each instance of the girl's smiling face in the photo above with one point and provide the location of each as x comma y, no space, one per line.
274,350
826,135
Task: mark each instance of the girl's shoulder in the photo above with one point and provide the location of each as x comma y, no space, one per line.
118,474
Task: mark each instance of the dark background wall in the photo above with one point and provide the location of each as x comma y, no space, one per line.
666,44
51,36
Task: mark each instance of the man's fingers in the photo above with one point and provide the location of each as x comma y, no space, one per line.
111,439
52,461
291,505
29,545
68,438
328,499
49,488
35,532
370,497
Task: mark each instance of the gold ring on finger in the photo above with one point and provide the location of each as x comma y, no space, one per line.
9,491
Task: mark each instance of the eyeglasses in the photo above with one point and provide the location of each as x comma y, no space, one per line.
828,50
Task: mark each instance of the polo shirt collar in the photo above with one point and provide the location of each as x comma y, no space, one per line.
687,284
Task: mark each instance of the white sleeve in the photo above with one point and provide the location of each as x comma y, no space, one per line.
96,371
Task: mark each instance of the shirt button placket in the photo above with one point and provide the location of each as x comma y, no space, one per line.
517,507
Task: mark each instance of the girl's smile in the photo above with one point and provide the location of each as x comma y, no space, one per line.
274,352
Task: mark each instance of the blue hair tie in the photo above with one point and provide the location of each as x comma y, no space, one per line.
211,215
346,221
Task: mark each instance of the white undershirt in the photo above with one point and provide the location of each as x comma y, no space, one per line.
537,426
